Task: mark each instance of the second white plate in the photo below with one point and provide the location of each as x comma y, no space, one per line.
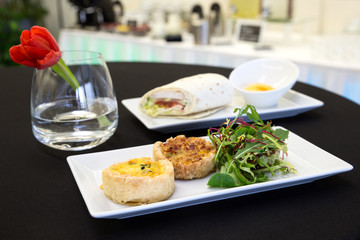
291,104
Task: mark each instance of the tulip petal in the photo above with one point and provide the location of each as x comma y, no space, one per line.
50,59
25,37
19,55
35,53
40,42
47,35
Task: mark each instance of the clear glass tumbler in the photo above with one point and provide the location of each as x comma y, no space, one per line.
66,119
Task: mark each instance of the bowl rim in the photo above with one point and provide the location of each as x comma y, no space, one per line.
289,86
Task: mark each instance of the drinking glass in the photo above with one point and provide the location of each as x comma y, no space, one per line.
68,119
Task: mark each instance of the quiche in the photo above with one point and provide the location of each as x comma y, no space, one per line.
191,157
138,181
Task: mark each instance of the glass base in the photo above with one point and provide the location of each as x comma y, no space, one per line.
74,141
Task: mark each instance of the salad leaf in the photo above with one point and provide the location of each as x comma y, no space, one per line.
222,180
247,153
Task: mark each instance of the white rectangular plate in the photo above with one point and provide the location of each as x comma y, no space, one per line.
291,104
310,161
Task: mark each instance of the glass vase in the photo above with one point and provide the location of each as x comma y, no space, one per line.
68,119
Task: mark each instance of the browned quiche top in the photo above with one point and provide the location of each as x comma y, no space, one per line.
187,150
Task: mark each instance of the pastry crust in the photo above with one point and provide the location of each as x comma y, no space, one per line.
138,181
191,157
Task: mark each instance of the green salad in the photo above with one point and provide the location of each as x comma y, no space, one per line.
247,153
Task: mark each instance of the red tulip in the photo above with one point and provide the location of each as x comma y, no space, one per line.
38,48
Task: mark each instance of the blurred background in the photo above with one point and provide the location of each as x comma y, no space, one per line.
321,36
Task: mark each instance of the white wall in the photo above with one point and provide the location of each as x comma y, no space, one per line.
61,14
339,13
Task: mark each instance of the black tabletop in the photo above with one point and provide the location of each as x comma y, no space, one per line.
39,197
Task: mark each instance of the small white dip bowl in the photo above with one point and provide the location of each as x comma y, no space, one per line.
278,73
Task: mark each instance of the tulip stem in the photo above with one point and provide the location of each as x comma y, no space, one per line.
63,70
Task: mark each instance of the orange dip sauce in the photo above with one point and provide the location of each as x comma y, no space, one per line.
259,87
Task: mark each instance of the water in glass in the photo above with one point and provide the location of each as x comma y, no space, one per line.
57,125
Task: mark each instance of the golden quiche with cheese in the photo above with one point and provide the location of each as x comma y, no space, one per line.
138,181
191,157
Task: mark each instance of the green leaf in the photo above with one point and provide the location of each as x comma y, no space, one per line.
281,134
250,147
252,115
223,180
240,176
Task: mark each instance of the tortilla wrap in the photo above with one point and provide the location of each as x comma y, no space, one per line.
191,97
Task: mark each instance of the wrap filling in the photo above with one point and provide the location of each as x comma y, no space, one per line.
165,102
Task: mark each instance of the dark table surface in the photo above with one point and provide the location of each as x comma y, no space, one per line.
40,199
